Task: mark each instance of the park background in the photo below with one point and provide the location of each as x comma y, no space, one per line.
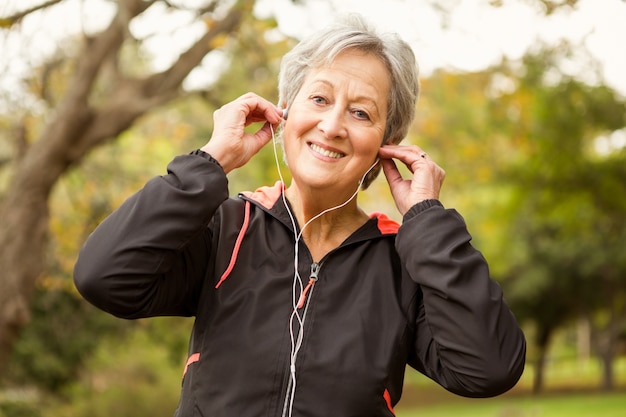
523,103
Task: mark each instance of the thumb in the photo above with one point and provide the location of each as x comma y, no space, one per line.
391,171
264,134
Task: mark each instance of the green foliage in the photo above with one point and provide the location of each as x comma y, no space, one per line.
18,408
63,333
566,405
568,199
563,251
127,377
519,145
254,57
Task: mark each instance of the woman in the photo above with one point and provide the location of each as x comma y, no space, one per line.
304,304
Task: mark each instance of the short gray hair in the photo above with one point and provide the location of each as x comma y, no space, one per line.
353,32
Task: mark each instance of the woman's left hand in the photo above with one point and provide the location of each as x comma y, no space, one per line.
427,175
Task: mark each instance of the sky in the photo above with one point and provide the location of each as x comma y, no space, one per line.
477,35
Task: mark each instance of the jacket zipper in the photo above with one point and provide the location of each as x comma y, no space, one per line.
302,302
315,270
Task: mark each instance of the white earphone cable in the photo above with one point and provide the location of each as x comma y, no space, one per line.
298,286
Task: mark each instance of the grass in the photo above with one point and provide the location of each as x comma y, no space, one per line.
563,405
571,390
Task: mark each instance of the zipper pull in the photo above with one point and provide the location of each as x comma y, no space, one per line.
315,270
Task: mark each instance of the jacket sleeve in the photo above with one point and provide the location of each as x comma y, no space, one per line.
149,257
466,337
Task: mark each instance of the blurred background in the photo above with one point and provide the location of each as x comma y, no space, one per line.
523,104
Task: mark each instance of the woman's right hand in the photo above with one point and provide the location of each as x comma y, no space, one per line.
230,145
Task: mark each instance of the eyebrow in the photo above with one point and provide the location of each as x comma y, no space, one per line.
357,99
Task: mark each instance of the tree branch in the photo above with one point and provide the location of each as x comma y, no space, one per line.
174,76
134,97
7,22
199,11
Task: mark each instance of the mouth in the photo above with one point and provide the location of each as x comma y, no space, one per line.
325,152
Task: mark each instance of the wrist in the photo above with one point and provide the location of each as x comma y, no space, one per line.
206,156
219,157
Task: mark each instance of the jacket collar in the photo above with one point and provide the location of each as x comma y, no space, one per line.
269,198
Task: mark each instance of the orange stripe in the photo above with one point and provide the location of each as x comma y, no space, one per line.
233,258
192,359
304,292
387,397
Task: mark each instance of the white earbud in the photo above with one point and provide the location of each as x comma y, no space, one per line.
285,113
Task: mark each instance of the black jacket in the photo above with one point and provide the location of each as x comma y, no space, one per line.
388,296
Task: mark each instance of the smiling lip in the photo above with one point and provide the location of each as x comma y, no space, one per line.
325,152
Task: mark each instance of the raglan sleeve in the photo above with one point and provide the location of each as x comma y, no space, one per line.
466,337
148,258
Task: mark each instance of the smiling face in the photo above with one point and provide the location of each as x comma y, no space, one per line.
337,121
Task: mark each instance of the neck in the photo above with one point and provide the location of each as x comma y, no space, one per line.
324,232
323,205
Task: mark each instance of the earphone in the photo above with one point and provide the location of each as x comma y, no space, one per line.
298,286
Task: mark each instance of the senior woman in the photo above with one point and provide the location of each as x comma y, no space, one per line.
304,304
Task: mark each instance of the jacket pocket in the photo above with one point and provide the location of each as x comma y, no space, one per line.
187,406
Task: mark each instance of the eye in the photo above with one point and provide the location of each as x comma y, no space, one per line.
360,114
318,100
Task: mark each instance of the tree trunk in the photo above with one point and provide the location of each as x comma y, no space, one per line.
606,345
606,330
75,129
23,237
543,342
607,372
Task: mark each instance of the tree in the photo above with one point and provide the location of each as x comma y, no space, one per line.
45,356
518,142
85,117
567,221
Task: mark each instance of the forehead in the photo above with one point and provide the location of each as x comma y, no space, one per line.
353,70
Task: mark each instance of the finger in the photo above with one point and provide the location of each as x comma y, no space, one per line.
409,155
271,115
392,174
258,109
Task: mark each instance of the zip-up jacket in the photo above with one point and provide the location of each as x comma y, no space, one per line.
388,296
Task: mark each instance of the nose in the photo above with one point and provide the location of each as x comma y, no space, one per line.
333,124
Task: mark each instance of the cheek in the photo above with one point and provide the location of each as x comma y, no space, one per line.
286,137
296,128
289,128
369,144
288,145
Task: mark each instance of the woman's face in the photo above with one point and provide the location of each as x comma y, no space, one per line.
337,121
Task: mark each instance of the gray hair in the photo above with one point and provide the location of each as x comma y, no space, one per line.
353,32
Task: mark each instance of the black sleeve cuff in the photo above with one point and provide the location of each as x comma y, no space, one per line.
206,156
420,207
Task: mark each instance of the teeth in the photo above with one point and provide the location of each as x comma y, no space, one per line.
325,152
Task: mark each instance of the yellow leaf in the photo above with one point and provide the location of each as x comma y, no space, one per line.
5,23
218,41
208,21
